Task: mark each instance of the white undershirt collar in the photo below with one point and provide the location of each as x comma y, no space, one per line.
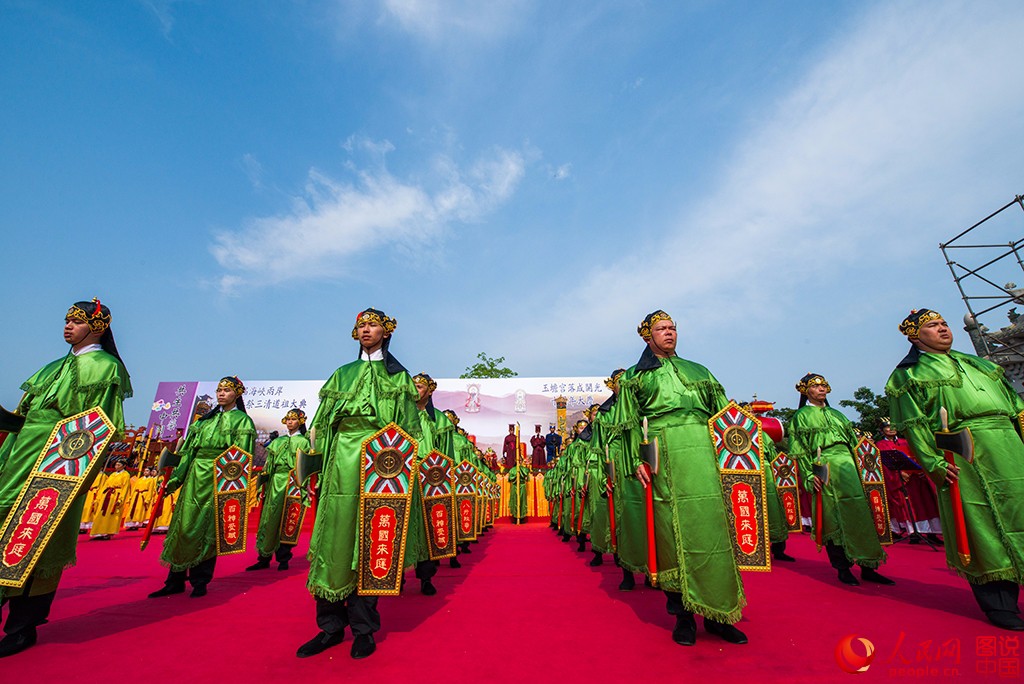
375,356
86,349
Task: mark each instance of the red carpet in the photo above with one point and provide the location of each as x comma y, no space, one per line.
524,607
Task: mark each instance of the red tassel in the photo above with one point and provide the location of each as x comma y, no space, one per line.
98,310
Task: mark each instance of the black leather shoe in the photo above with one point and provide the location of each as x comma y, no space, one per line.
17,642
784,557
198,591
320,643
846,577
427,588
465,548
1003,619
727,632
283,565
258,565
363,647
628,581
685,631
598,559
454,563
566,537
870,575
168,590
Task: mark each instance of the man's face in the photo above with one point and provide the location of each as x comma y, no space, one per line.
371,334
817,393
422,390
663,337
226,396
118,466
75,331
936,335
291,423
889,431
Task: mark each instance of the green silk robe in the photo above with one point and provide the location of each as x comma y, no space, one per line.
627,492
518,479
359,399
695,554
778,531
846,514
597,518
61,389
976,396
280,462
192,535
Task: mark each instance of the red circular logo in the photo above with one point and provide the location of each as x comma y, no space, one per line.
849,660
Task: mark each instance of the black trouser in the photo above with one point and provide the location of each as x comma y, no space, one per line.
26,611
674,604
998,596
837,556
425,570
198,576
283,554
359,612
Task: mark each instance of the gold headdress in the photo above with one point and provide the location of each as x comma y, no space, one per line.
98,319
644,329
426,381
911,325
298,414
379,317
232,383
810,380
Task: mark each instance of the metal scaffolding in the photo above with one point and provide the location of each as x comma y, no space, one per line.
978,280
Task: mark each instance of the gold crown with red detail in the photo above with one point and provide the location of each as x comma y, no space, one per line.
98,320
372,315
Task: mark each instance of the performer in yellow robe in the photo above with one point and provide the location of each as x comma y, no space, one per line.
110,501
89,509
139,501
164,513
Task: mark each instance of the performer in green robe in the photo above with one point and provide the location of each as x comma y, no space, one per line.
518,480
627,491
447,434
90,375
696,567
190,547
778,531
417,550
976,396
848,530
572,485
358,400
274,480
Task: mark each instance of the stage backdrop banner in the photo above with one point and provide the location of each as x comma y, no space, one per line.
486,406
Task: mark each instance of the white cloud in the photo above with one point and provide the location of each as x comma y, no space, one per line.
437,20
253,170
562,172
333,221
886,130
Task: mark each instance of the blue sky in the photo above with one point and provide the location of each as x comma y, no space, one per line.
528,179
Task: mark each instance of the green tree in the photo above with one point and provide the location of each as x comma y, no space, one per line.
870,406
488,368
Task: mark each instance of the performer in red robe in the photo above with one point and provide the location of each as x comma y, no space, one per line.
538,442
923,505
510,449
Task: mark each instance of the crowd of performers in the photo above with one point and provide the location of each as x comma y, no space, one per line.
669,523
961,424
357,401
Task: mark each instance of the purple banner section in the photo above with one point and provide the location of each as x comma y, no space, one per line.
172,408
